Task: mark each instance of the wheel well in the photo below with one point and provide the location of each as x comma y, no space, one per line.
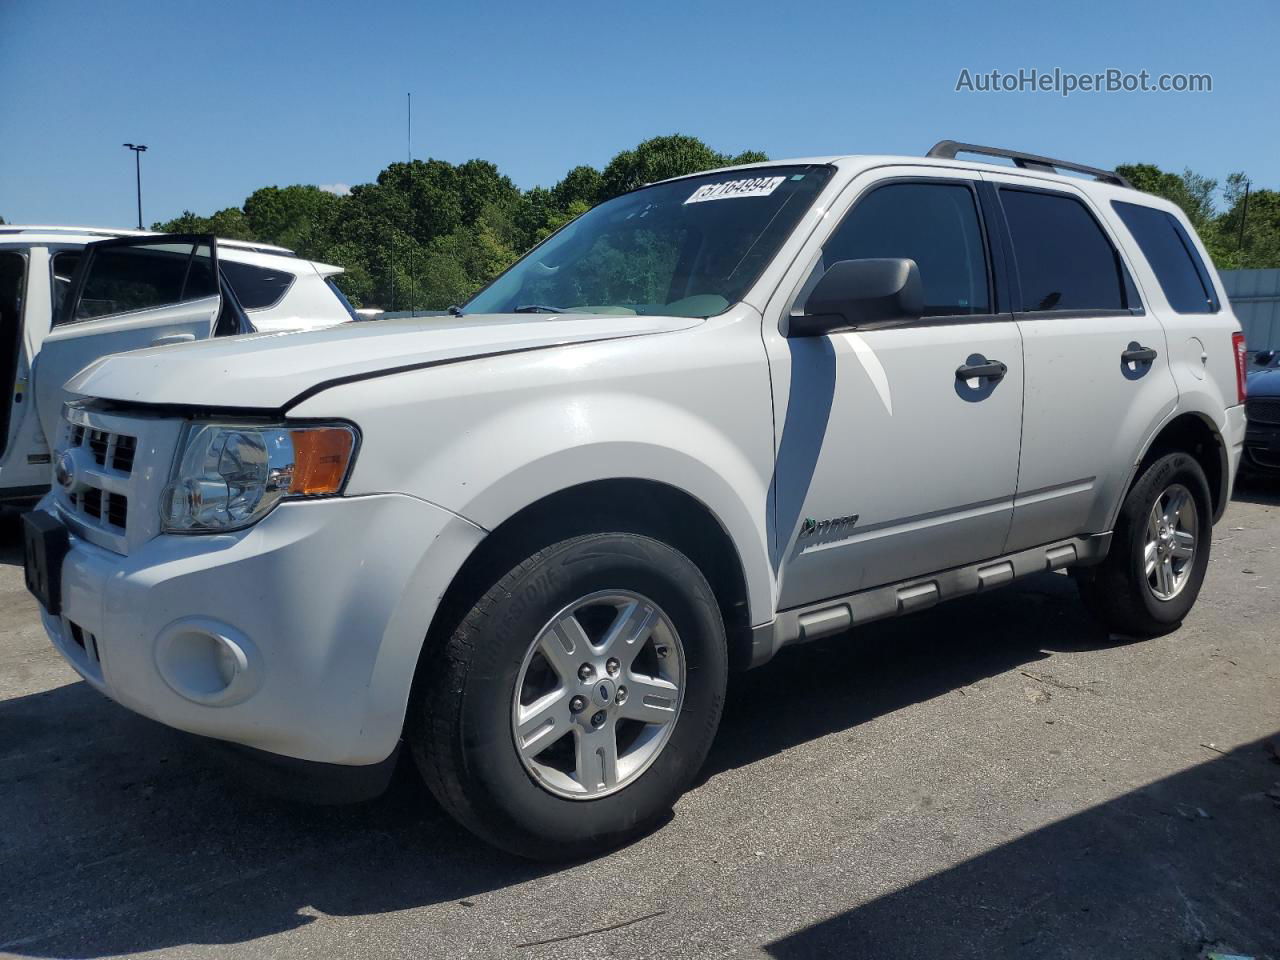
1189,433
631,506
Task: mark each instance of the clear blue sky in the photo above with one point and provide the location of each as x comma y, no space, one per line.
233,95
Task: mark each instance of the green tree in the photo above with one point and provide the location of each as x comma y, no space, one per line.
230,224
663,157
430,233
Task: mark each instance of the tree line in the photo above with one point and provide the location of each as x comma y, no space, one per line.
428,233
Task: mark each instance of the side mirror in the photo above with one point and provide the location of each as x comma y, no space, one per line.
1263,358
853,294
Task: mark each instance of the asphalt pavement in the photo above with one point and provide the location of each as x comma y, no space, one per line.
995,777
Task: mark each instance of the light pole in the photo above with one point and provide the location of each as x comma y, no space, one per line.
138,151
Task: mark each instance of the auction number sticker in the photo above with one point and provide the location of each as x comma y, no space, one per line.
730,189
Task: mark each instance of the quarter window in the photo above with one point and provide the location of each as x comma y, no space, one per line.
257,288
1172,256
934,224
1065,261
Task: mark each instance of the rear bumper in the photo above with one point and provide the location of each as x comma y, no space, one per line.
323,607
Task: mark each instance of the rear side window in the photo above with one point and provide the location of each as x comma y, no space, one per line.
141,277
1065,261
1172,256
256,287
934,224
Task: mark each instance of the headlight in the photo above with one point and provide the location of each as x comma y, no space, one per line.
229,476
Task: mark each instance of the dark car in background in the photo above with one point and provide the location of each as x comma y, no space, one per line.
1262,441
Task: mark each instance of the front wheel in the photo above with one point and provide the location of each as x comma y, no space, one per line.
1159,553
577,698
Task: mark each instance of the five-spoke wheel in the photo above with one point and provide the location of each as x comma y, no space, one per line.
577,697
1159,551
598,694
1171,542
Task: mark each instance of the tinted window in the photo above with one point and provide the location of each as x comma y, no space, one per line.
1172,256
64,268
140,277
1065,261
934,224
256,287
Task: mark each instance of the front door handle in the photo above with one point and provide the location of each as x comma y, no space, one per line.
173,338
1138,354
981,369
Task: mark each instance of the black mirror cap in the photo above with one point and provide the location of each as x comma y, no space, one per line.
860,293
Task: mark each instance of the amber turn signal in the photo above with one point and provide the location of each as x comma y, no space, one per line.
321,456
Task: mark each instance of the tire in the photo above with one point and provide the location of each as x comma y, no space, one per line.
1123,593
558,804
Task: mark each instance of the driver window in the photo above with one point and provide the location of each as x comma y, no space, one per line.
934,224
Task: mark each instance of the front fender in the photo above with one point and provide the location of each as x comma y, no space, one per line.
489,437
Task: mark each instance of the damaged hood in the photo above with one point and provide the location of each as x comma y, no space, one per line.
269,370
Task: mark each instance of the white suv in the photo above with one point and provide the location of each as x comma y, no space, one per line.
709,418
277,291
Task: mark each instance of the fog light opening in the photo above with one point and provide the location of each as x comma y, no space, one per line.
207,663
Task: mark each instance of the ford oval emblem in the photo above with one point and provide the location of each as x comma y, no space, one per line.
64,471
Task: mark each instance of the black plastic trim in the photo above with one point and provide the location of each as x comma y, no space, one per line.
22,495
947,150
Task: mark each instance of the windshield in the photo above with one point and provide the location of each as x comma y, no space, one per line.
687,248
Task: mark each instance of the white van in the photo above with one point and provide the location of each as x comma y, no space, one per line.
275,289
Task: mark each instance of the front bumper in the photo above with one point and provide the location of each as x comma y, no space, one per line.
1262,446
328,602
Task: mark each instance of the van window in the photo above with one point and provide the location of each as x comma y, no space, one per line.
257,288
1172,256
1064,260
141,277
13,273
934,224
64,266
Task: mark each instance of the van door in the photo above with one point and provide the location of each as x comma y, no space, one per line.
896,457
128,294
13,276
1097,365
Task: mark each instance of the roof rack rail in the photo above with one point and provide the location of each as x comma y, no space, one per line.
947,150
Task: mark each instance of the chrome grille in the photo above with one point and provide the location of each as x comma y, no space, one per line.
1263,410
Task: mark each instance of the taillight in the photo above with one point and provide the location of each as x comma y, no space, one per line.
1242,365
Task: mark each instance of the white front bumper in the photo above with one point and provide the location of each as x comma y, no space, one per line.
332,598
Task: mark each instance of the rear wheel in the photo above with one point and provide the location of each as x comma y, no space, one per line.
1159,553
577,699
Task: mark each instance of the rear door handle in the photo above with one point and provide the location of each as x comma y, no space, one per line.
983,370
1139,354
173,338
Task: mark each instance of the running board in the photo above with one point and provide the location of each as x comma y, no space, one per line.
838,614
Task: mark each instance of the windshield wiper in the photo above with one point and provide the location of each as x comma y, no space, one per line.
454,310
538,308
